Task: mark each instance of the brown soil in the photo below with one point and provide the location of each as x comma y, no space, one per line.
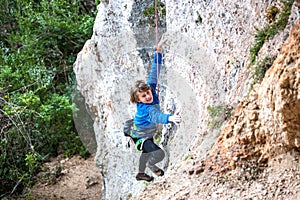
73,178
79,179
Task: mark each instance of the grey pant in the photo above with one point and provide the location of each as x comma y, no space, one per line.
151,155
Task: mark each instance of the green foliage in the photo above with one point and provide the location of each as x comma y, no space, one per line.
218,115
39,44
31,159
129,195
199,20
188,156
151,10
259,70
216,110
97,2
271,13
272,29
157,138
149,13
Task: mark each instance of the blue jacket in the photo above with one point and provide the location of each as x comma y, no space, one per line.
148,115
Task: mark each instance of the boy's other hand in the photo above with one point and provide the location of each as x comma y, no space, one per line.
176,119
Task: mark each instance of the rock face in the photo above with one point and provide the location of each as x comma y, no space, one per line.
257,153
267,123
205,65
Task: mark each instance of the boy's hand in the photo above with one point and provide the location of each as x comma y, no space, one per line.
162,41
176,119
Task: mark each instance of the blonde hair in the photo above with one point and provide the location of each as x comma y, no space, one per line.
139,86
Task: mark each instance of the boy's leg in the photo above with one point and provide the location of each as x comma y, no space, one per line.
156,154
143,161
151,154
142,166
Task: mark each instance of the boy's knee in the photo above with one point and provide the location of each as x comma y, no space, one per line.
160,155
156,157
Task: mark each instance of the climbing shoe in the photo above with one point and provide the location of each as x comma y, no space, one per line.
159,172
156,170
144,177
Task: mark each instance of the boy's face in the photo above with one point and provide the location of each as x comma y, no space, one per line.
145,97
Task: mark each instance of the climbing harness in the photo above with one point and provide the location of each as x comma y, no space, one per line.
139,144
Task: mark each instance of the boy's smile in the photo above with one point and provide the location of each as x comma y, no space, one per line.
145,97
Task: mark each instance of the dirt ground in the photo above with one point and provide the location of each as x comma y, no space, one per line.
79,179
74,178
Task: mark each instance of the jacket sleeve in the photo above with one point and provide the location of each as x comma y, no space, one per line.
158,117
155,68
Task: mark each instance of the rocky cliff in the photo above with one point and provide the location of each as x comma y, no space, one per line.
257,153
209,71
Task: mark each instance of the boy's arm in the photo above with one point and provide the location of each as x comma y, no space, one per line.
157,61
158,117
155,68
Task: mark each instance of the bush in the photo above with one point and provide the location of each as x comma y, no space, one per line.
149,13
39,43
271,29
259,70
219,114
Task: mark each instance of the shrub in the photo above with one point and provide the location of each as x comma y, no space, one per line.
259,70
149,13
219,114
39,43
271,29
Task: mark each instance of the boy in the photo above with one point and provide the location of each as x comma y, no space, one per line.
148,115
